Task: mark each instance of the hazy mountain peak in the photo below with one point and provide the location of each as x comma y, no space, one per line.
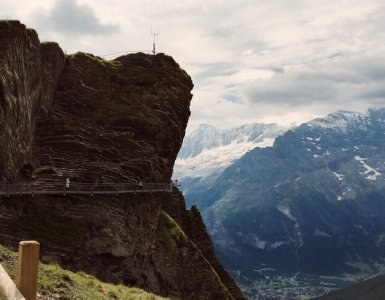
340,120
208,137
207,151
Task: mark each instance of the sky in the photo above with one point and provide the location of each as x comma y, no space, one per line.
282,61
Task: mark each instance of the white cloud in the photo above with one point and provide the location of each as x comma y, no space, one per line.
251,60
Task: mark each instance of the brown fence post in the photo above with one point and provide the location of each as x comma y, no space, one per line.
27,268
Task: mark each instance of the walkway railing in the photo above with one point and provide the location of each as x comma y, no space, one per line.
59,188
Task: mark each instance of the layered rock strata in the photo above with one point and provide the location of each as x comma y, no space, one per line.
97,121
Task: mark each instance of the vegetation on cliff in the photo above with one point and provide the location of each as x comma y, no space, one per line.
169,232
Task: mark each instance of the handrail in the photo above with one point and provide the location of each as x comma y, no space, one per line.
55,188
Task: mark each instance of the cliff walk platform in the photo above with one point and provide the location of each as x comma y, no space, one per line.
63,188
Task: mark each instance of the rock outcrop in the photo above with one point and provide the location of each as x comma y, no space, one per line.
99,121
28,76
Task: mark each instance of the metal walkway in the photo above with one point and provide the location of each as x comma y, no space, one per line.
82,188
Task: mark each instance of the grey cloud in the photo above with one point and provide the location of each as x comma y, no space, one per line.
375,92
278,70
337,55
373,70
67,16
289,91
215,69
331,83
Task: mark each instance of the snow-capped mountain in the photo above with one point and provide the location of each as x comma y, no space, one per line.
206,137
312,203
208,150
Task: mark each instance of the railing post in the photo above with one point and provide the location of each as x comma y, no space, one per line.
27,268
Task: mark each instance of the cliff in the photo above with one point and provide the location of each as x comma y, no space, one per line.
98,121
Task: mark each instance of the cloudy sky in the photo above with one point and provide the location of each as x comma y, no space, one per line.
251,60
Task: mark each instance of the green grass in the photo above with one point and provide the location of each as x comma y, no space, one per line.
97,59
170,233
57,283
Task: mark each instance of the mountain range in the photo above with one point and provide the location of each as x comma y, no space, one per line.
313,203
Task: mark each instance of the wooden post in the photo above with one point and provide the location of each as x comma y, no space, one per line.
27,268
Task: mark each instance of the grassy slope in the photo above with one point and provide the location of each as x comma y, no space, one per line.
170,233
57,283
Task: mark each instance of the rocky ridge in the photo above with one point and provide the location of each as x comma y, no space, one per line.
98,121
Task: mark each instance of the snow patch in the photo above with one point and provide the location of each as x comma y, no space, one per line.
276,244
284,208
371,173
318,232
267,142
259,243
339,176
380,238
359,158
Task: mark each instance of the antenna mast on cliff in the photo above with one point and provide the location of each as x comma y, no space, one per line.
153,44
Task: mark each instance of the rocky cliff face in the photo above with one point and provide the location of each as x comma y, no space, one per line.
29,72
100,121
